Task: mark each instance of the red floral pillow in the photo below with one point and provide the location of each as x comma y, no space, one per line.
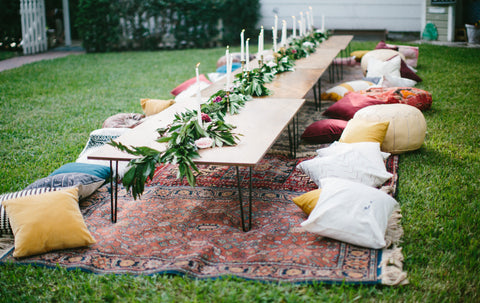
416,97
324,131
346,107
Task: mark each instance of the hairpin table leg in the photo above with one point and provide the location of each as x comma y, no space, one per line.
113,196
242,215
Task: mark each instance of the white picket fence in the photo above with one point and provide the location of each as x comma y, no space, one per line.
34,31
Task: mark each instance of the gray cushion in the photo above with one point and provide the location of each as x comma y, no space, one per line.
86,183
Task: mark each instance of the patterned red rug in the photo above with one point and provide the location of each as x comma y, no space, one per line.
177,229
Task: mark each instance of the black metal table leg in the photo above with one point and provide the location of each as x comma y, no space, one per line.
113,196
242,215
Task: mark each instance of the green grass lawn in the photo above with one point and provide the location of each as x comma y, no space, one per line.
49,108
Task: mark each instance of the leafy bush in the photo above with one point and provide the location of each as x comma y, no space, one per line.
138,24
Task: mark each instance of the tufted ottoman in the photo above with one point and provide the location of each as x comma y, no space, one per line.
407,128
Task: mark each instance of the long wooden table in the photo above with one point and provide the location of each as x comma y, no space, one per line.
260,122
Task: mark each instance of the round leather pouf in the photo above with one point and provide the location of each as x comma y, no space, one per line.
407,128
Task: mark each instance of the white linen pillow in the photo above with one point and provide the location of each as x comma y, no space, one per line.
378,68
366,148
351,212
362,163
394,81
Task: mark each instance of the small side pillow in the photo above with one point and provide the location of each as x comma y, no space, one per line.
338,92
87,184
47,222
308,200
188,83
351,212
154,106
351,165
379,68
100,171
358,130
324,131
346,107
5,228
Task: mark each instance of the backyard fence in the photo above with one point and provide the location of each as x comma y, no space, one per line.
33,26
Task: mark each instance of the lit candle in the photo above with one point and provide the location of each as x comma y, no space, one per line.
283,41
301,24
247,55
199,100
274,33
308,22
323,23
311,16
227,57
242,54
294,34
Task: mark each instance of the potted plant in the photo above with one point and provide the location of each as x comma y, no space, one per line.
473,32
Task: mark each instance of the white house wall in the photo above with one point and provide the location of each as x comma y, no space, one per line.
391,15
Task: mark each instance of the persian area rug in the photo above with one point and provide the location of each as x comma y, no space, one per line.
177,229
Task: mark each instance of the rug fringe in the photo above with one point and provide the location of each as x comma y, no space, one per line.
392,257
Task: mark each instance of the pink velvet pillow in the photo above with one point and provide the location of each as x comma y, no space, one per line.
180,88
346,107
383,45
324,131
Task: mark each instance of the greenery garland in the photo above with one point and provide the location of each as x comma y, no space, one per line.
186,135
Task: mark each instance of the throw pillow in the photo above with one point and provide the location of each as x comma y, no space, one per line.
100,171
358,130
47,222
5,227
346,107
351,164
358,54
394,81
351,212
378,54
368,149
383,45
338,92
180,88
154,106
308,200
123,120
87,184
379,68
324,131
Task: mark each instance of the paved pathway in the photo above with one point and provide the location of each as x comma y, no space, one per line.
21,60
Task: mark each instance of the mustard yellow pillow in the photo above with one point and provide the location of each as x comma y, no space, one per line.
364,131
46,222
358,54
308,200
154,106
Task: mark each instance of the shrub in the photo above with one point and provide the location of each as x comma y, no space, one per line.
151,24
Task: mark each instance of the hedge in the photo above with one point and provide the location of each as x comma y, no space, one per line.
109,25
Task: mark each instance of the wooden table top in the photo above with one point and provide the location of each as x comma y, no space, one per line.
260,123
337,41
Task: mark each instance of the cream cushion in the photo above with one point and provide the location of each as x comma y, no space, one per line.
379,54
406,130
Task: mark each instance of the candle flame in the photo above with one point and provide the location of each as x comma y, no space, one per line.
198,64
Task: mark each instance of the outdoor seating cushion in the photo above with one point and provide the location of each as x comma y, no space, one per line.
364,131
345,60
359,54
351,212
406,130
416,97
186,84
379,54
223,69
100,171
324,131
409,52
86,184
154,106
346,107
338,92
123,120
307,201
362,163
46,222
5,228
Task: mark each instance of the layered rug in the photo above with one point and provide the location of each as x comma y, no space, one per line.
176,229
